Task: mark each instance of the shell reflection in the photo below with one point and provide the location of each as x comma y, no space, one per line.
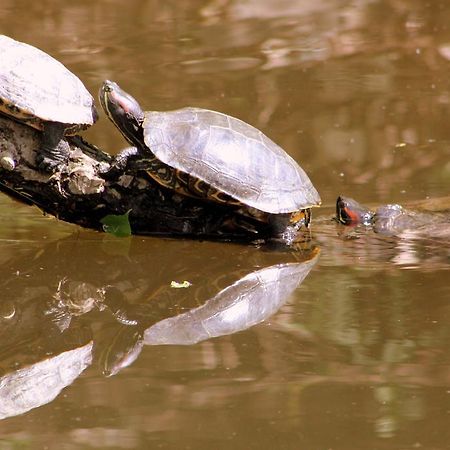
249,301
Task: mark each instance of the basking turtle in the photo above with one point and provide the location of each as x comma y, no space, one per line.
393,219
213,156
39,91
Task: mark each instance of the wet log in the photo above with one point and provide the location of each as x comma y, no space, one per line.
80,194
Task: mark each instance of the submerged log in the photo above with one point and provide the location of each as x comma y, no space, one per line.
80,194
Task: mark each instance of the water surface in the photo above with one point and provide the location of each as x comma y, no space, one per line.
342,344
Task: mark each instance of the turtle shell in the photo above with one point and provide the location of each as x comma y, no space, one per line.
231,156
36,88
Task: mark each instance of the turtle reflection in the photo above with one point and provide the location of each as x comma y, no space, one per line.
62,311
249,301
30,377
241,305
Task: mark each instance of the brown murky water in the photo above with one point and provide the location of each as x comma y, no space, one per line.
343,345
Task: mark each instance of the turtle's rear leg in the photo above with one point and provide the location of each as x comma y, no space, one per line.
54,150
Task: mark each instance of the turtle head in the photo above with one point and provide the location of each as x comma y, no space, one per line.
350,212
123,110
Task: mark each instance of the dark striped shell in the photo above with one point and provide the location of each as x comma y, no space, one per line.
35,88
231,156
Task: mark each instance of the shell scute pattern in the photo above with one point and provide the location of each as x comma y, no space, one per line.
231,156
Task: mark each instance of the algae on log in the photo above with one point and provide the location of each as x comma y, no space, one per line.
79,194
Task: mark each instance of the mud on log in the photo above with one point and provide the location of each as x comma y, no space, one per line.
80,194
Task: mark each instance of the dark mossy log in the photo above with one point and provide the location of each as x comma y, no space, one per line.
80,194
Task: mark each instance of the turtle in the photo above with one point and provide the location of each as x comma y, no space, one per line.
394,219
211,156
39,91
350,212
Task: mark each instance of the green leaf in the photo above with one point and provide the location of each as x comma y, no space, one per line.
117,225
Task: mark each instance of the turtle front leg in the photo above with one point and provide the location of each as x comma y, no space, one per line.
54,150
125,159
130,159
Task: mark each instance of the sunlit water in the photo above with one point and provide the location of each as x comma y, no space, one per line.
178,344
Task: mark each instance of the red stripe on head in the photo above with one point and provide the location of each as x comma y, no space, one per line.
351,216
125,103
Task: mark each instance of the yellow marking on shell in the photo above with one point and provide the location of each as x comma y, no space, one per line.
14,112
221,197
185,184
198,187
190,186
21,116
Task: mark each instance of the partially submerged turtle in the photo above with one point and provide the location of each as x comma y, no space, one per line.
350,212
212,156
39,91
393,219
